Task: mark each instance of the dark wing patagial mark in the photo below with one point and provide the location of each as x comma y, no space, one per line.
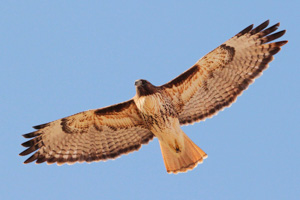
182,77
114,109
255,59
216,80
92,135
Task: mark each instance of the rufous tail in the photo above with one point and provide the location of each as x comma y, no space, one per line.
184,159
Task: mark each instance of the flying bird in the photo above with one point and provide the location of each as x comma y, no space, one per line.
209,86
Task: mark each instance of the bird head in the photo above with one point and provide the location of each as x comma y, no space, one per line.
144,87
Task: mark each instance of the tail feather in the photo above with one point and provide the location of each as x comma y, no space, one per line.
184,160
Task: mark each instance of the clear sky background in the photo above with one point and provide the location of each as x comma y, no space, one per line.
58,58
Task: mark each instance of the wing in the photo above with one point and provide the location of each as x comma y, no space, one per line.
216,80
92,135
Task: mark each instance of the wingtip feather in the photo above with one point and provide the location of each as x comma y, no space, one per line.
31,158
245,30
272,37
31,134
260,27
41,126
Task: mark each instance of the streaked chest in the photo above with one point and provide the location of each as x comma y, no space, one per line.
158,112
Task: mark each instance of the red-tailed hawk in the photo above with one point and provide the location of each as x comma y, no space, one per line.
209,86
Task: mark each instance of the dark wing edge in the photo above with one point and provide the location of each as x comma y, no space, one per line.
101,129
258,38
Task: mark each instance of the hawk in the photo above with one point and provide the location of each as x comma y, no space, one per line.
209,86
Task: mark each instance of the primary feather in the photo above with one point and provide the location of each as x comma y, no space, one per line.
212,84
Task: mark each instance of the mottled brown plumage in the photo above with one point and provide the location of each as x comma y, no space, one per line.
209,86
92,135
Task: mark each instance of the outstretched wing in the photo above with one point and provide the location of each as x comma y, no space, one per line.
92,135
216,80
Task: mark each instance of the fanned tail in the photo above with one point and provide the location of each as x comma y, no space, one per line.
185,159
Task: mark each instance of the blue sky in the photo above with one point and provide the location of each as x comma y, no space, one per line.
59,58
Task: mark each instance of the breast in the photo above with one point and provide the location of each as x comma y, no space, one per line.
157,111
150,104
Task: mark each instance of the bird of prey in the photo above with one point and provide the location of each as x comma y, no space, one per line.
209,86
